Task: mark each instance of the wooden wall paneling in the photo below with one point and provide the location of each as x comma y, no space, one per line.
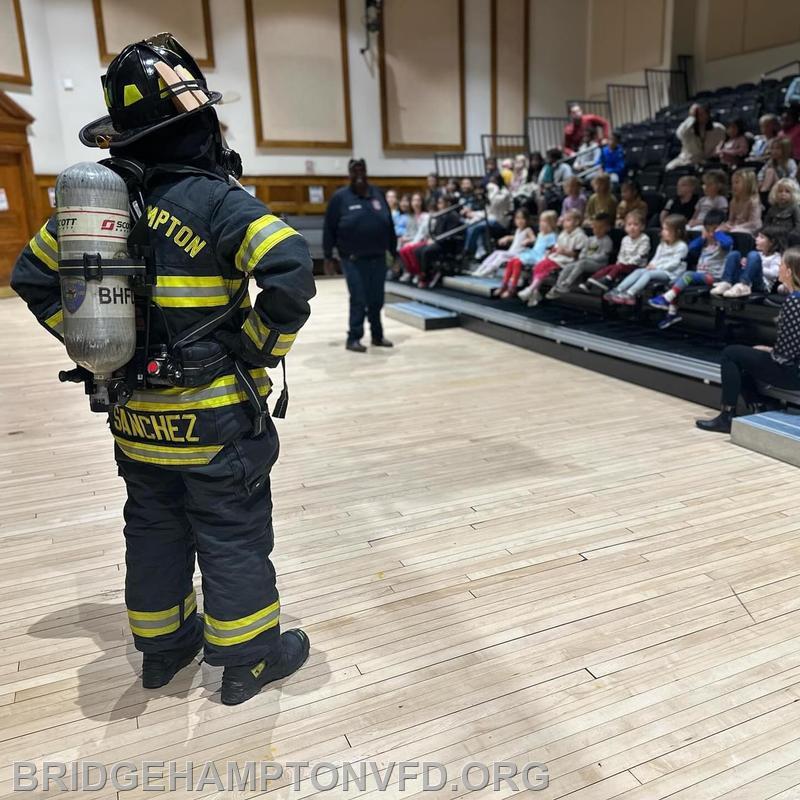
421,60
14,66
770,23
606,38
299,73
510,27
17,222
643,35
120,22
724,29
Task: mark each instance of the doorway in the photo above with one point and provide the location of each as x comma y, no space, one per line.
17,185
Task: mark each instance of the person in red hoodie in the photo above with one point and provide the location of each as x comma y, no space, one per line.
791,129
579,122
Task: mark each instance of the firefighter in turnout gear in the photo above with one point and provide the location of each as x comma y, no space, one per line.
195,455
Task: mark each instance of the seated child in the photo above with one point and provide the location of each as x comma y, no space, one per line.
569,244
595,253
611,159
633,253
780,164
631,201
744,211
735,147
667,264
542,244
715,185
714,246
784,206
758,270
416,236
688,193
574,200
602,201
522,237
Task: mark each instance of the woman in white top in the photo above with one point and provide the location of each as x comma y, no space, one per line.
522,237
699,137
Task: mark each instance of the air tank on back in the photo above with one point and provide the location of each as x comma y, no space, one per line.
98,305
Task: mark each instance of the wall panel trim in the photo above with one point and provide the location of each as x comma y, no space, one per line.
24,78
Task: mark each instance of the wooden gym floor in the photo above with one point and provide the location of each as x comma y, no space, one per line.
497,557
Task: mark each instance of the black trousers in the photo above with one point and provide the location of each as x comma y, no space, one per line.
365,282
222,514
743,367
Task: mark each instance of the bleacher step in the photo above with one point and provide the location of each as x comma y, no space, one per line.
422,316
773,433
473,285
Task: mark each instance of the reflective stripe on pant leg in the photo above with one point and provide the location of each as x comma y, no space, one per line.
159,558
150,624
230,509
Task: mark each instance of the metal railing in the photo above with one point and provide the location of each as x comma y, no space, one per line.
460,165
598,107
500,145
783,71
686,65
628,103
666,87
545,133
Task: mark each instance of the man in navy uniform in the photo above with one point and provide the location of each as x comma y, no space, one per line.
359,225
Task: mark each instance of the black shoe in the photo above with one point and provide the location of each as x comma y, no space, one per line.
356,347
242,683
158,669
382,343
719,424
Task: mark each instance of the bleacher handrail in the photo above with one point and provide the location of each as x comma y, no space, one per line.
544,133
629,103
795,65
503,145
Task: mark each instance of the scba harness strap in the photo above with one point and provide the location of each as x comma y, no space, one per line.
171,366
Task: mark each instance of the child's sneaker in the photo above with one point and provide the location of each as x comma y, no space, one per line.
659,301
601,284
720,288
627,299
553,294
534,299
525,293
611,297
739,290
669,321
584,287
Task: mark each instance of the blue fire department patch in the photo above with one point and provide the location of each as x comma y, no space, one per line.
74,293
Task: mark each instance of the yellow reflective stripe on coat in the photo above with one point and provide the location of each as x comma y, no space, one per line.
45,248
56,322
284,344
256,330
190,291
150,624
261,236
223,391
229,632
163,455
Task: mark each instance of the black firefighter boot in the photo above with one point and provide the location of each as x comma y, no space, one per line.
719,424
158,669
240,683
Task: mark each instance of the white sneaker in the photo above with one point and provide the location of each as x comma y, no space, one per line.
740,290
535,298
720,288
525,293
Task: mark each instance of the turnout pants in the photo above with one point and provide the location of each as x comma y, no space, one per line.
222,514
365,282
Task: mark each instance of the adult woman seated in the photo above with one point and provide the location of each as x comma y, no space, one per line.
699,136
744,367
